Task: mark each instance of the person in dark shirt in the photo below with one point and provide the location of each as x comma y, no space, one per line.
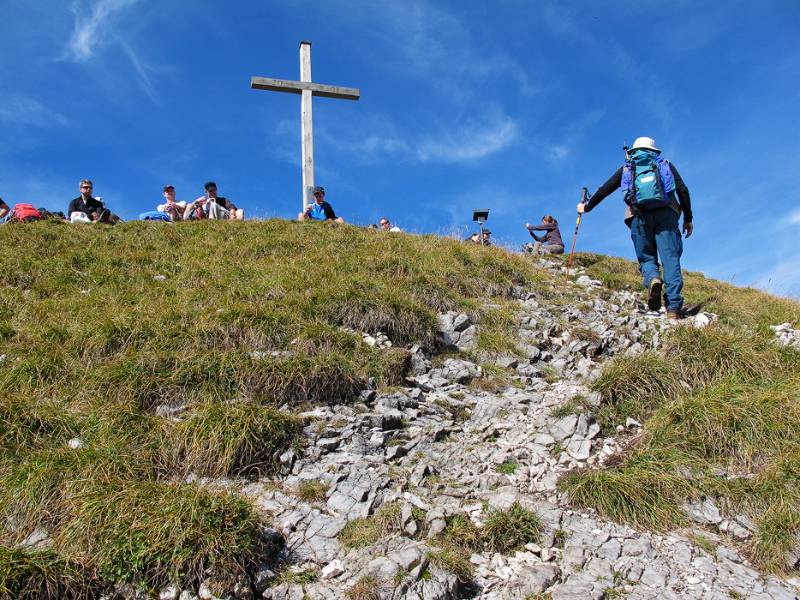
550,242
654,232
4,210
214,206
320,210
86,208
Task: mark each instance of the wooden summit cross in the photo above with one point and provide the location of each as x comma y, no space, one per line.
306,89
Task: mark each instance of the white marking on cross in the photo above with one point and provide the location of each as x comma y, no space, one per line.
306,89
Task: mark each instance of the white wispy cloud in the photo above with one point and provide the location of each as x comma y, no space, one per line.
95,29
376,139
470,140
794,218
22,110
572,135
98,27
437,44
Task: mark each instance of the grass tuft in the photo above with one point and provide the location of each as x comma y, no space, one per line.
312,491
509,530
366,588
156,533
217,440
509,467
362,532
40,574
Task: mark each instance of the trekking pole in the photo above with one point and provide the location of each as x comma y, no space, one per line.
584,197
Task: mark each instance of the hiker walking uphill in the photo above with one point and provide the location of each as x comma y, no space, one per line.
651,184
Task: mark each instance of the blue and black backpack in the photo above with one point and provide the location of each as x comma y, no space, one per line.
647,180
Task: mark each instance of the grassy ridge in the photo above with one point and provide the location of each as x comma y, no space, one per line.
723,419
235,326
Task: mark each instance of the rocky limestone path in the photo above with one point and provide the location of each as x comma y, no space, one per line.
452,442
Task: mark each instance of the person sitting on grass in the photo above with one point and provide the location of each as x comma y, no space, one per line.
87,209
486,240
386,225
212,206
550,242
320,209
474,238
4,210
174,210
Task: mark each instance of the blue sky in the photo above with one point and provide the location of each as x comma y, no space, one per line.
511,105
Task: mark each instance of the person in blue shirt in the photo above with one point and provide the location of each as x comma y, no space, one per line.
320,210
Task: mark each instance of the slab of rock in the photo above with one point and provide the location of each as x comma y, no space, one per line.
563,428
704,512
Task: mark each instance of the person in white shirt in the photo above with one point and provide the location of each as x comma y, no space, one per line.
172,208
386,225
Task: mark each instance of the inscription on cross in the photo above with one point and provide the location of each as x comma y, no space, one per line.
307,90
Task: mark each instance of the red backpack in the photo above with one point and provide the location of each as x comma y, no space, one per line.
23,213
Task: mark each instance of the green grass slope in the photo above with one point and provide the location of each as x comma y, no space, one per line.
246,324
241,323
721,408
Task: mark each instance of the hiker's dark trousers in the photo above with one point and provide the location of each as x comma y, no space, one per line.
655,234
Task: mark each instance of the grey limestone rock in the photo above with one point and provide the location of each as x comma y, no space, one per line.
456,331
704,512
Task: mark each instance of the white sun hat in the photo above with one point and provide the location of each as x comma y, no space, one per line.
645,143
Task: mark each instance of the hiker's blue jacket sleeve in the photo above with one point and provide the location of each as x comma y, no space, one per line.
683,195
608,188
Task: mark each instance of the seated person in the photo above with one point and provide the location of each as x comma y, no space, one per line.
474,238
212,206
174,210
386,225
550,242
320,210
486,240
4,210
87,209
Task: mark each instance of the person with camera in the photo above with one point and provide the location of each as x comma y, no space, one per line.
550,242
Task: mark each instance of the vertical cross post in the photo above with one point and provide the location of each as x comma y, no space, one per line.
306,126
307,90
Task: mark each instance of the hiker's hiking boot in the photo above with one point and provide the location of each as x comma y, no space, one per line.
654,294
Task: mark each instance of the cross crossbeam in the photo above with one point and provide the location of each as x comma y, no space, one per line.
297,87
307,89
